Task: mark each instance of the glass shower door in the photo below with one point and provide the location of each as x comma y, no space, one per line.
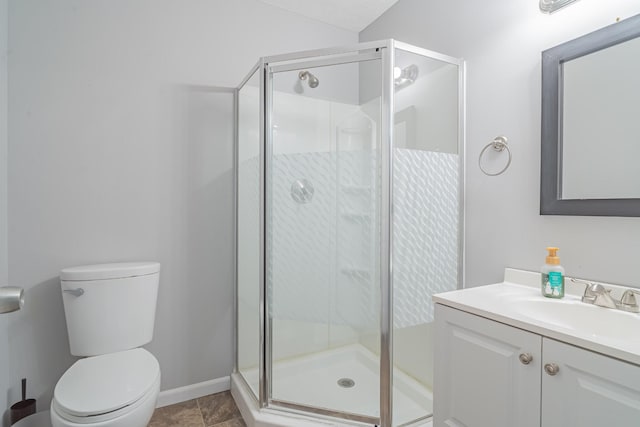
322,237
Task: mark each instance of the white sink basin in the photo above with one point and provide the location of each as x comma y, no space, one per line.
597,322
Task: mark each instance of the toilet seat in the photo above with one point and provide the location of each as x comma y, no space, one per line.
100,388
135,411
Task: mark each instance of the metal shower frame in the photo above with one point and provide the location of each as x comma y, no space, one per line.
385,51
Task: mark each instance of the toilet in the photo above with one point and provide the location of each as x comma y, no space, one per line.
110,311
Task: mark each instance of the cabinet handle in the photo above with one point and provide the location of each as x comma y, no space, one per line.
551,368
525,358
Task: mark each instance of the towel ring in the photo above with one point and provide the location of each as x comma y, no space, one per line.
498,144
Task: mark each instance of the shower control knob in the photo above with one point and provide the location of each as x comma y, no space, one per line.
525,358
302,191
551,369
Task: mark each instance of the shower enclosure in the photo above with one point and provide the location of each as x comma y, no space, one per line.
349,187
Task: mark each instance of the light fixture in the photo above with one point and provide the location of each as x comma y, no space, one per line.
550,6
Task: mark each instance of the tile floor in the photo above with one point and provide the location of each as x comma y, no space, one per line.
215,410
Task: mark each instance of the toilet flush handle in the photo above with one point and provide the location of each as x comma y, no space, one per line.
75,292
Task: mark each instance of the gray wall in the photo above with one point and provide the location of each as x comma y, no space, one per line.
501,41
119,150
4,338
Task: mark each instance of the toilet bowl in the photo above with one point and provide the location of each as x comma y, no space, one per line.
110,313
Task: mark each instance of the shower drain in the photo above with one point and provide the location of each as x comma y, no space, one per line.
346,382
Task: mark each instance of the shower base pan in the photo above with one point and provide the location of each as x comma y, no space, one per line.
343,379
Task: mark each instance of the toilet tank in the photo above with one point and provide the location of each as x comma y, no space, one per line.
109,307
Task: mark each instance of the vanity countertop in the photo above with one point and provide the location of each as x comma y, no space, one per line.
518,302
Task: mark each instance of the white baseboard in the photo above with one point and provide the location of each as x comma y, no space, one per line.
193,391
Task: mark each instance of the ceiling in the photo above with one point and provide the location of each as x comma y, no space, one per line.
354,15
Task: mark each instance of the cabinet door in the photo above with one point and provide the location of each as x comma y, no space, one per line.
479,380
589,390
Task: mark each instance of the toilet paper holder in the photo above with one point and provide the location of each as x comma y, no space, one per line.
11,299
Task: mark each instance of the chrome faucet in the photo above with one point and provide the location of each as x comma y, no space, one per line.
597,294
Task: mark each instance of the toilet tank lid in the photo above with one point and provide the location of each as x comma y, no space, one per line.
118,270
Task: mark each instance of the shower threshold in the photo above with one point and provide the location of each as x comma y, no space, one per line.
315,380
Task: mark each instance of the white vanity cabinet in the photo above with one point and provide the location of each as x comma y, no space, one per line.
488,374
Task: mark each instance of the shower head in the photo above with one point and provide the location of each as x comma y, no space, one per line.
403,77
312,80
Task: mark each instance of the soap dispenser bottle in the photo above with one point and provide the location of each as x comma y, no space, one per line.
552,275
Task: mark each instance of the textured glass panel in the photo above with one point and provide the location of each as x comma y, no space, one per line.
249,231
425,188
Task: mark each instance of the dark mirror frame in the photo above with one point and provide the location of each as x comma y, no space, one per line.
551,149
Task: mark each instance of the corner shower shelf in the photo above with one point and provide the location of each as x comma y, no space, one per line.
356,217
355,131
356,189
357,273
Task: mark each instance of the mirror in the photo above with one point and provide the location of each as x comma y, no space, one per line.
591,124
